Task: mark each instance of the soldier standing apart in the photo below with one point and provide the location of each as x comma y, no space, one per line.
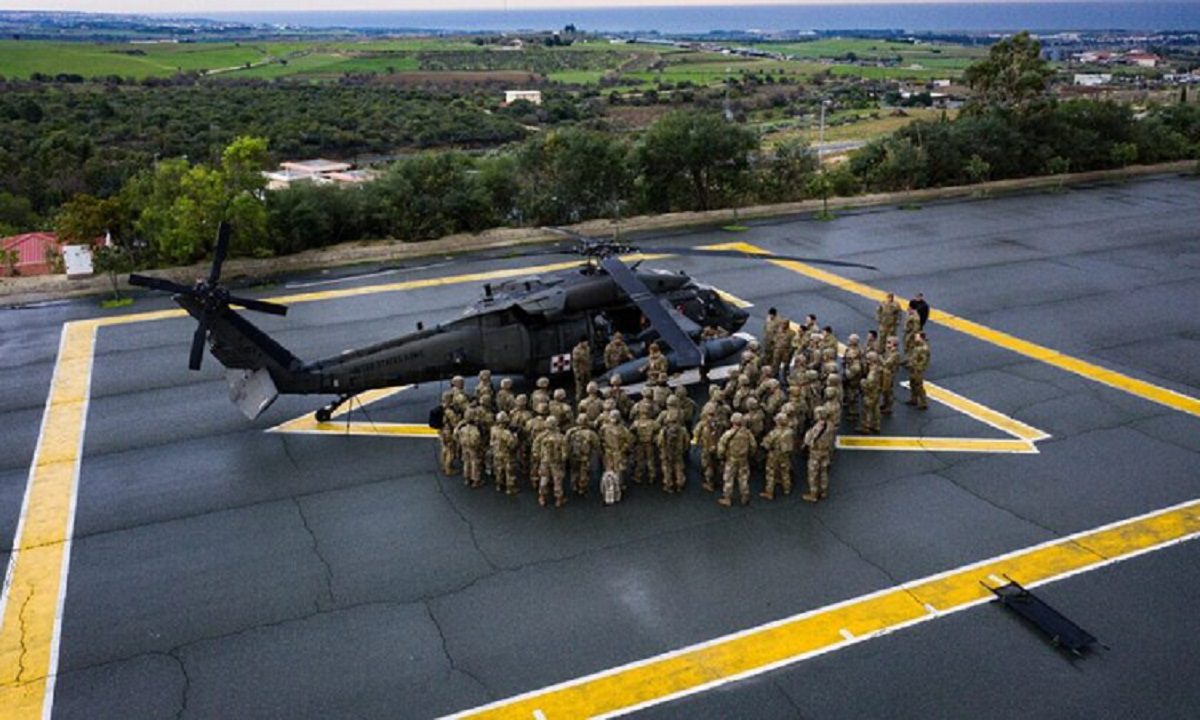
779,444
656,366
918,363
553,453
581,366
504,451
770,327
888,315
819,440
890,363
736,447
616,352
673,444
616,440
470,443
582,444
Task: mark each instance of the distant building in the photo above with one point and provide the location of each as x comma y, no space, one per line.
317,172
1092,79
1141,59
532,96
33,252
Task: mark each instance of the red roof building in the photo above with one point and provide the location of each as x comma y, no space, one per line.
32,251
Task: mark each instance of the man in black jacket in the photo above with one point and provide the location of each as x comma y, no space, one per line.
918,303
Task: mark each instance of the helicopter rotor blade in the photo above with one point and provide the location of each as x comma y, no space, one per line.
656,311
706,252
197,353
259,305
222,247
159,284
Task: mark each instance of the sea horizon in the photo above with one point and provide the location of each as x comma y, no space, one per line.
918,17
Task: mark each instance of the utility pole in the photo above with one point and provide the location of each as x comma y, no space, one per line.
821,136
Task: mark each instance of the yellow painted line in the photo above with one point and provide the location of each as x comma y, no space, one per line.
934,444
1140,388
757,650
983,414
31,604
309,426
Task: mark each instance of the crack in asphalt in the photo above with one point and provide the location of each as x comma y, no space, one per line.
24,648
454,666
185,691
791,701
441,485
316,549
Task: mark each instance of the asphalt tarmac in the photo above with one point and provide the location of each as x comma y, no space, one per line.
218,570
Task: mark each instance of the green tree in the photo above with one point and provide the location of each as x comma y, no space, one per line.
429,196
821,185
571,175
694,160
113,261
977,169
84,218
1124,154
784,174
1011,76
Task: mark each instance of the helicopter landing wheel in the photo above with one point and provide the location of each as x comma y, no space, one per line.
323,415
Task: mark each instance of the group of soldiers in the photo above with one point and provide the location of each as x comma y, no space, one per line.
787,396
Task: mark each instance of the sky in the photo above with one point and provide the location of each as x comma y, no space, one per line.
197,8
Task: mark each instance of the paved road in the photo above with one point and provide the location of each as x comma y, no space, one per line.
218,571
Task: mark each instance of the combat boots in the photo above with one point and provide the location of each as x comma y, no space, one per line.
724,501
767,495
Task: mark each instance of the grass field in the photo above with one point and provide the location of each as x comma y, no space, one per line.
857,125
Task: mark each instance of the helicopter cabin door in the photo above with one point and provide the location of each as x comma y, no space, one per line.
552,344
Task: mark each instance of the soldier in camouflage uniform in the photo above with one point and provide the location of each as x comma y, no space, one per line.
745,390
852,374
592,405
687,406
656,366
784,346
504,455
912,326
581,366
534,429
541,394
583,443
673,444
890,363
819,440
749,368
505,399
707,434
459,395
755,420
871,387
888,315
616,392
814,391
918,363
716,403
484,385
518,422
770,330
644,429
552,452
872,344
560,408
771,397
448,445
616,440
779,444
833,402
470,444
616,352
736,447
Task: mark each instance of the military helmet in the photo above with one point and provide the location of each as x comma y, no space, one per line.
560,394
751,403
830,393
552,422
506,384
614,415
822,413
457,381
485,374
522,400
872,356
501,417
795,389
737,419
714,390
744,381
543,382
592,387
754,346
853,339
615,381
811,374
582,419
673,401
781,419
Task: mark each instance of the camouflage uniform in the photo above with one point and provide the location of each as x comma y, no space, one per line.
505,399
582,445
771,397
749,368
624,403
779,444
484,385
871,386
716,404
504,455
449,446
581,367
552,451
616,352
890,363
784,346
833,403
736,447
592,405
616,440
560,409
819,440
852,374
687,406
470,443
673,444
912,326
535,429
656,367
459,395
519,420
745,391
644,431
814,391
770,333
887,315
918,363
707,434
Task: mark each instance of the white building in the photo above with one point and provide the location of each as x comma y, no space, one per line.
317,172
1093,79
532,96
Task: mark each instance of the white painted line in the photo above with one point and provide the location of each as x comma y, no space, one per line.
539,715
846,634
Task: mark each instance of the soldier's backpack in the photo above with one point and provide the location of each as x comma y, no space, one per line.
437,418
610,488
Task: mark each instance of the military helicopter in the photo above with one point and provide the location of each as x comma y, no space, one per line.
525,327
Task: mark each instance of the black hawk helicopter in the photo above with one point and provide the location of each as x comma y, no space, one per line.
525,327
